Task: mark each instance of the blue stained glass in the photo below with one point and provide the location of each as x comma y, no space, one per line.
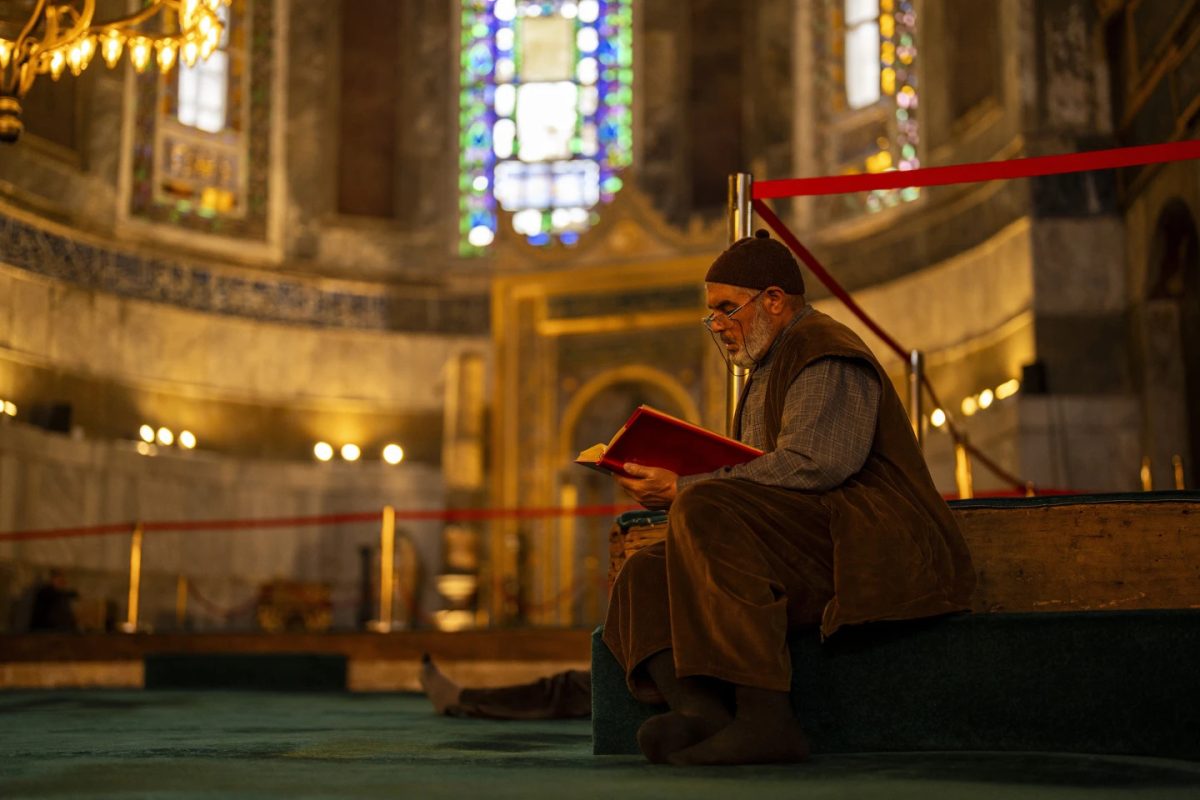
480,59
598,136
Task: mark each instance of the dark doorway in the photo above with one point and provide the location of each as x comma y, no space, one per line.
1174,275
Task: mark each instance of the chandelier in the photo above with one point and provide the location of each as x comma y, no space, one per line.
38,37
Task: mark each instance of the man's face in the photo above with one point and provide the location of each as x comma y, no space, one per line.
721,299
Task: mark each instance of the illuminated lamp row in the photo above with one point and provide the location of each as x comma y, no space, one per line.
978,402
164,437
323,451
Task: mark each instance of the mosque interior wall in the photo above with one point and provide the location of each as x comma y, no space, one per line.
336,314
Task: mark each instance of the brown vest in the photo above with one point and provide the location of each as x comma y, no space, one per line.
898,552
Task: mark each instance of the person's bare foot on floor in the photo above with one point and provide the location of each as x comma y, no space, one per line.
440,690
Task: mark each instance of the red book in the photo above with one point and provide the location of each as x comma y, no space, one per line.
654,439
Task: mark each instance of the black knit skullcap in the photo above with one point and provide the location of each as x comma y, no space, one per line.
757,262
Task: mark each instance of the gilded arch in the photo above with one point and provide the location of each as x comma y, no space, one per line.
632,373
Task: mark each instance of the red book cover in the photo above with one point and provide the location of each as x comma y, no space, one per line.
654,439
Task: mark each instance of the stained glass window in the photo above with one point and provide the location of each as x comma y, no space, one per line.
545,115
201,164
204,86
873,114
187,175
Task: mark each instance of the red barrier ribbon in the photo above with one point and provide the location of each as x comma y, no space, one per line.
815,266
413,515
981,171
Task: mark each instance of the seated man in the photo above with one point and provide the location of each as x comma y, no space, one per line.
837,523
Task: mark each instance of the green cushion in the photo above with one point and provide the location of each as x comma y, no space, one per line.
631,518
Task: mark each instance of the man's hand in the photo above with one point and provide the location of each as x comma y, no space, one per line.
653,487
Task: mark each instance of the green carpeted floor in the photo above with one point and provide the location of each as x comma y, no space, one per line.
250,744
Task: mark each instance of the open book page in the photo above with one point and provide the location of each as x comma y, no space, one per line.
656,439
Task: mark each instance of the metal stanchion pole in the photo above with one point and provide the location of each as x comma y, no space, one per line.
387,570
181,596
916,413
962,470
740,219
1147,478
135,579
1177,466
569,499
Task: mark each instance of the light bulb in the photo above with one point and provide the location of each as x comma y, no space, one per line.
985,398
87,49
351,452
147,433
167,50
1008,389
323,451
110,48
938,418
187,440
58,62
139,53
393,454
211,40
165,437
75,60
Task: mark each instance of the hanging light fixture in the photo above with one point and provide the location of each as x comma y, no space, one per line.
59,36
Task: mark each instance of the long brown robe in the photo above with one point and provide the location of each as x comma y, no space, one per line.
743,564
563,695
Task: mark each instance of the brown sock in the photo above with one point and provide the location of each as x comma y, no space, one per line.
668,733
698,710
440,690
764,731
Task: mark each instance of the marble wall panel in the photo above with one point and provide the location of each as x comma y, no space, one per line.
961,298
144,343
54,481
28,315
1083,442
1080,266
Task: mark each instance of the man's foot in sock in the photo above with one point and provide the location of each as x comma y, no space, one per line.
440,690
748,741
668,733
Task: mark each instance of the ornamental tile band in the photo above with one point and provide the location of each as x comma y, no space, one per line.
264,298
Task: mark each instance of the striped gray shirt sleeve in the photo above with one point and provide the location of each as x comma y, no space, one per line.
828,427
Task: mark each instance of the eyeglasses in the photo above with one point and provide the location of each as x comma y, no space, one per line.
722,317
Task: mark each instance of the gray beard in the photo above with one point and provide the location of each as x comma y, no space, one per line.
754,346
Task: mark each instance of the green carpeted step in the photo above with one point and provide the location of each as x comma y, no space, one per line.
299,672
1095,682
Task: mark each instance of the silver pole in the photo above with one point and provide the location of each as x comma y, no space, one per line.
916,414
740,220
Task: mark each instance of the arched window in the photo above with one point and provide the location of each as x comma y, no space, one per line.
203,93
871,119
545,115
202,154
